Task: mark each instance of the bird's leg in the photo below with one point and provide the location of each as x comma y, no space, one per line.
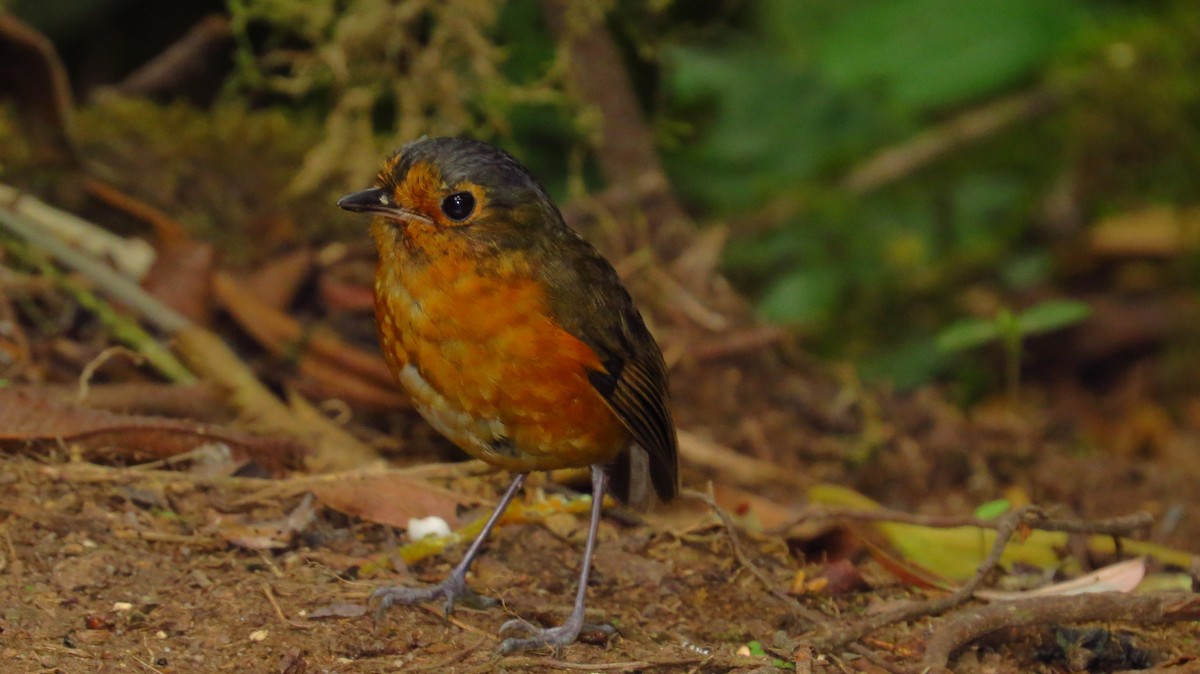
564,634
454,588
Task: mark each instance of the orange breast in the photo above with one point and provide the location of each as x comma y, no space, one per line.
485,363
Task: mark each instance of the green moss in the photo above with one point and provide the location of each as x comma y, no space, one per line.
222,172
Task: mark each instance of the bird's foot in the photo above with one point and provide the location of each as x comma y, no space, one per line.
454,590
553,638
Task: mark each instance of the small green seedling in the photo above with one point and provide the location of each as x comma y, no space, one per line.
1011,329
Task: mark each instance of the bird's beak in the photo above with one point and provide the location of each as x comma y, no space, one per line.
377,200
374,200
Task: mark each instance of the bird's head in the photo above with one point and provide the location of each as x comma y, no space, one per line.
451,183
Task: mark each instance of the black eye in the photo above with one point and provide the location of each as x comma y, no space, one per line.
459,206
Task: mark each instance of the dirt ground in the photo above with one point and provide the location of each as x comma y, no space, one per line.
106,569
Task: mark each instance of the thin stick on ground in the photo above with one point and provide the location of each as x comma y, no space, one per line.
1126,525
813,617
270,594
120,326
1142,609
876,658
204,352
1006,527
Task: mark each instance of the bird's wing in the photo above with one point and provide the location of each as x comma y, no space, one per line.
633,378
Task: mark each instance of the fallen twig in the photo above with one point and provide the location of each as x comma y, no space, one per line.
34,74
875,658
1007,524
893,163
1141,609
270,594
205,352
813,617
125,290
733,467
1125,525
182,61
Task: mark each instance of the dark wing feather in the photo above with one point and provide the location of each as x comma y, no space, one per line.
590,302
636,392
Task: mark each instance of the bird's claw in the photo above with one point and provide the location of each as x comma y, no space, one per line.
453,589
546,637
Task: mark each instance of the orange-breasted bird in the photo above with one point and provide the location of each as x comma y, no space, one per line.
515,339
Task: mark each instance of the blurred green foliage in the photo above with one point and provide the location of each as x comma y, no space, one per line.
782,110
762,110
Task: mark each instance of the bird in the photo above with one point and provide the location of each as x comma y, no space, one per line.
517,341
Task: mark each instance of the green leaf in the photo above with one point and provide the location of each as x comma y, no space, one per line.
768,124
805,297
756,648
967,334
956,552
993,509
1052,315
907,364
925,54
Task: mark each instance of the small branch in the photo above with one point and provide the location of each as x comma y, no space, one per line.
121,327
625,148
32,72
876,659
813,617
1006,525
203,351
1126,525
1141,609
183,61
894,163
733,467
634,666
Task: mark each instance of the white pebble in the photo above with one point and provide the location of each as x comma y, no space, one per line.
419,528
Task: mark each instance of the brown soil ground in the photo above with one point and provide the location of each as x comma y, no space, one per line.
118,570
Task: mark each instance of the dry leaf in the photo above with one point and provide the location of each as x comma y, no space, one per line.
181,278
276,282
343,371
267,535
1120,577
389,499
28,418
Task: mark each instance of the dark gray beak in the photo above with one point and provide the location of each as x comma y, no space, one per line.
374,200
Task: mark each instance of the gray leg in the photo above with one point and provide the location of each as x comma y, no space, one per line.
454,587
556,637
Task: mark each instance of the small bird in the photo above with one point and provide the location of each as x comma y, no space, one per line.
516,340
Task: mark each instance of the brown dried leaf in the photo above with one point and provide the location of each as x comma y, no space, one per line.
267,535
754,510
342,370
389,499
181,277
339,295
28,418
276,282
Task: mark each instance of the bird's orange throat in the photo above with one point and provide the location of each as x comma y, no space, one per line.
472,339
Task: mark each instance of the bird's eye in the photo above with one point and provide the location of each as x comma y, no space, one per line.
459,206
